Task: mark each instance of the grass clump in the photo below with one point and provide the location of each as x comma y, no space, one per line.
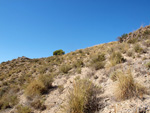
82,98
138,48
148,65
126,87
39,86
130,53
78,64
8,101
116,58
132,40
65,69
23,109
98,61
98,58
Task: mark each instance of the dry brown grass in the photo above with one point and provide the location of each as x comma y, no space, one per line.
39,85
126,87
82,98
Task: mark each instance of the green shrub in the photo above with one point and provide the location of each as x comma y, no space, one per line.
82,98
122,38
59,52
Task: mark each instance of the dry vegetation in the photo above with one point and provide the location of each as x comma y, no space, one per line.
126,87
82,97
35,77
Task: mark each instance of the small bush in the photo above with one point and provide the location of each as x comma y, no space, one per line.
147,32
130,53
116,58
37,104
98,58
23,109
98,65
82,98
132,40
78,64
114,76
65,68
122,38
46,80
148,65
36,87
8,101
138,48
59,52
39,86
98,61
127,88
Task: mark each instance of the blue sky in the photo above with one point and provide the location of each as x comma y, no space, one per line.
36,28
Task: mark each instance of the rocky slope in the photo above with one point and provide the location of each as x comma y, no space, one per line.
100,64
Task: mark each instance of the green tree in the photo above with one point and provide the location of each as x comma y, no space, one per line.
59,52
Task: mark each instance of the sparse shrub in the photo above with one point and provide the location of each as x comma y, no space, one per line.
38,104
59,52
39,86
98,58
8,100
147,43
147,32
79,70
114,76
98,65
148,65
65,68
46,80
122,38
60,88
23,109
98,61
36,87
132,40
78,64
130,53
116,58
138,48
83,97
123,47
127,88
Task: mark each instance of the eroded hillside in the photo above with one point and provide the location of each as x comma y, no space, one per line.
108,78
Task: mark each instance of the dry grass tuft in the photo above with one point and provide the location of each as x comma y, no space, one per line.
39,86
83,97
116,58
127,88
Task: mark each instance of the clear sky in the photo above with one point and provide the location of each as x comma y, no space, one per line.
36,28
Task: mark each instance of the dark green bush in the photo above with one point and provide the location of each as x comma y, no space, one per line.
122,38
59,52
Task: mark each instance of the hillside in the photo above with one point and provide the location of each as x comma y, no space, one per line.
107,78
